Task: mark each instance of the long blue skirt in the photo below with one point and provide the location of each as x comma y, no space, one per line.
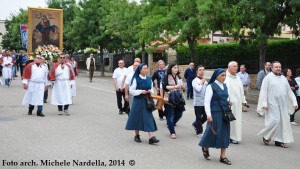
139,117
222,129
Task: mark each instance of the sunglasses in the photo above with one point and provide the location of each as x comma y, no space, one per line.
62,57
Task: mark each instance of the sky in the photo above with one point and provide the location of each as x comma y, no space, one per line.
12,6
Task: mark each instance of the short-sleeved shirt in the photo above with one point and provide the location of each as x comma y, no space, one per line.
119,75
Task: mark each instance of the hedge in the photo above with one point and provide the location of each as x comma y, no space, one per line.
218,55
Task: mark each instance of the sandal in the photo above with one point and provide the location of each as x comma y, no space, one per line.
279,144
206,154
225,161
267,142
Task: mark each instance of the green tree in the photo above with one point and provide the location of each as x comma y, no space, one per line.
263,18
177,20
12,37
124,22
89,27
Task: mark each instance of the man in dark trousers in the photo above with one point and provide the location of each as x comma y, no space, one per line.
190,75
158,75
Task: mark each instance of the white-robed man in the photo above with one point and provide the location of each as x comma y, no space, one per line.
61,93
35,82
7,63
277,102
73,65
237,98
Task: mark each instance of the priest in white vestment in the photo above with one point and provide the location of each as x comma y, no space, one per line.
277,102
237,98
61,93
35,82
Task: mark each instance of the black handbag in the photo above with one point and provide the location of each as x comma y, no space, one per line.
227,114
150,105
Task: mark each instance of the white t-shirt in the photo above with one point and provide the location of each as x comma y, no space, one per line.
129,78
130,69
119,75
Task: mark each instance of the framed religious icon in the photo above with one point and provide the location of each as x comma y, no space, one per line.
45,27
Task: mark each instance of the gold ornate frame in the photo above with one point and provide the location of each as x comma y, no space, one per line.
31,27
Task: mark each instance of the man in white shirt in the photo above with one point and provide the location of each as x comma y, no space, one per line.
245,78
128,96
7,63
130,68
118,79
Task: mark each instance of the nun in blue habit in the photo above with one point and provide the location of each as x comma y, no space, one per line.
217,131
141,119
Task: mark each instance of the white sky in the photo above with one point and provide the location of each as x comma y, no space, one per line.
12,6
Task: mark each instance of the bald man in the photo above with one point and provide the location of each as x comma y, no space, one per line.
237,98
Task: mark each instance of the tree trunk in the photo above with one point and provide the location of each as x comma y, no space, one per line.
191,43
143,52
262,53
101,62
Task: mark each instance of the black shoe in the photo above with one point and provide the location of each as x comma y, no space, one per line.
29,112
40,114
234,141
137,139
206,154
45,101
120,112
153,140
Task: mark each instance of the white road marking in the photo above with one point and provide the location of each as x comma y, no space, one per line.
108,91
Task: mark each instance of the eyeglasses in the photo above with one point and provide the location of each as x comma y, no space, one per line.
39,58
62,57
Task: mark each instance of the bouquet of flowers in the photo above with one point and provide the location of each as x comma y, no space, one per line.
50,52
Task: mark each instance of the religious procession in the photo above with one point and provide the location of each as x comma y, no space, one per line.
151,97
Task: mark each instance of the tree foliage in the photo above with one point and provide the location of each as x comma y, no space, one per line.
250,20
12,37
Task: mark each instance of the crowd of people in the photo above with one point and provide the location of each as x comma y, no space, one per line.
37,75
227,90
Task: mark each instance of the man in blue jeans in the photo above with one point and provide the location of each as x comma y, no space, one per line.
190,75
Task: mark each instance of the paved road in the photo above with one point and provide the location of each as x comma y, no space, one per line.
95,131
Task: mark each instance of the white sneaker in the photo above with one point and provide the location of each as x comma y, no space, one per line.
294,123
59,112
67,112
199,135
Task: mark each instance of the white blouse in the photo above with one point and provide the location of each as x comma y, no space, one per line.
135,92
208,96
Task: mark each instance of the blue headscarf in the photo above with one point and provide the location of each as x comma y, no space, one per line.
216,73
137,72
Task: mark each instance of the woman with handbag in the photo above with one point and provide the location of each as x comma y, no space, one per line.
140,118
171,83
216,103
